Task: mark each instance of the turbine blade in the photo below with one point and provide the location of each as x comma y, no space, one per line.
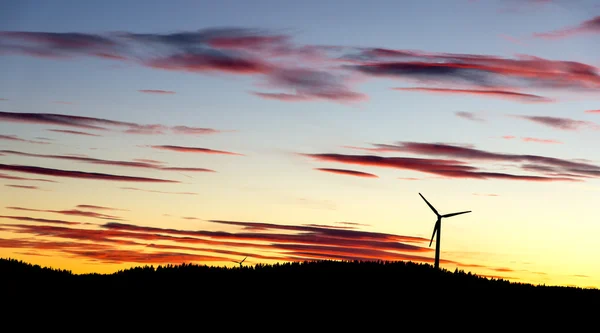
430,206
454,214
435,229
243,260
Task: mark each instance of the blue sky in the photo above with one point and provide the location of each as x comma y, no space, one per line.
542,62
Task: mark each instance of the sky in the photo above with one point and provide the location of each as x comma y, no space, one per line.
149,133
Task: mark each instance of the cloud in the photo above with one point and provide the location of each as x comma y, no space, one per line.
94,207
159,92
287,71
591,26
511,95
445,168
538,140
98,124
486,194
530,139
348,172
79,174
32,219
193,130
152,191
194,150
71,212
85,159
555,169
276,242
469,116
72,132
16,138
566,124
592,111
5,176
476,72
29,187
63,102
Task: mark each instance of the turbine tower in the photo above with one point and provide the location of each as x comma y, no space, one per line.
240,262
438,229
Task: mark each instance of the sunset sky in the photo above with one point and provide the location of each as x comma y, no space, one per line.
146,133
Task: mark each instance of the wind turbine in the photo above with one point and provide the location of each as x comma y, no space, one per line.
240,262
438,229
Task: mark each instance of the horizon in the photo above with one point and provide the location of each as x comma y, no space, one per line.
137,134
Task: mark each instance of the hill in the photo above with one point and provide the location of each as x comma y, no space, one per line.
326,285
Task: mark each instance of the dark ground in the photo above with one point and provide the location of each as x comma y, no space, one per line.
358,291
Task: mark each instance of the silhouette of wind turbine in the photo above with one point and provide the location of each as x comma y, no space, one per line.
438,229
240,262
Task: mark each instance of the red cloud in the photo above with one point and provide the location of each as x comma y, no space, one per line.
79,174
73,132
348,172
446,168
153,91
527,98
591,26
592,111
194,150
560,123
554,167
198,62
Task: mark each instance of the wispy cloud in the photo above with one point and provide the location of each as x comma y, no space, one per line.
182,149
159,92
5,176
511,95
591,26
94,207
545,168
469,116
131,164
33,219
153,191
530,139
288,71
79,174
72,132
28,187
98,124
566,124
71,212
593,111
16,138
348,172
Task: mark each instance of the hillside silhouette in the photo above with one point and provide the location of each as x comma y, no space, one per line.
310,280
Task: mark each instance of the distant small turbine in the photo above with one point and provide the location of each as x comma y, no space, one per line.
240,262
438,229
